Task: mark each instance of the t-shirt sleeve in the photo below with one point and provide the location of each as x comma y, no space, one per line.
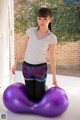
28,32
53,39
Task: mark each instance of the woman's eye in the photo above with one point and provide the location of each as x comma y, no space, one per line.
45,19
39,18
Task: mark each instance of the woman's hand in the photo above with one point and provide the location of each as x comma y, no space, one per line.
55,83
14,68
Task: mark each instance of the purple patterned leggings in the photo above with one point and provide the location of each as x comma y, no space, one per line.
35,78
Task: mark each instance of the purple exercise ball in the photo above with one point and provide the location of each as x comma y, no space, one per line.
53,103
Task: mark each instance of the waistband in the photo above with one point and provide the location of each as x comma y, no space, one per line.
41,64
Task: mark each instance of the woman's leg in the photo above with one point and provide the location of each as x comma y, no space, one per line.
40,79
29,80
30,88
39,89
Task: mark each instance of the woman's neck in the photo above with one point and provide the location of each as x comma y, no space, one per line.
43,30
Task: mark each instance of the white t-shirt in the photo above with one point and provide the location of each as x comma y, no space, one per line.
38,46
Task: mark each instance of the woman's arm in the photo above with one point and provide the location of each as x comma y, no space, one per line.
22,49
53,62
20,54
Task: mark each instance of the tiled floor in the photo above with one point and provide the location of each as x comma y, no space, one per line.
72,87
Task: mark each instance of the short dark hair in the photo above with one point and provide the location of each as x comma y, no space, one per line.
44,12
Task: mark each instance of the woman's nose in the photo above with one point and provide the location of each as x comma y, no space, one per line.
42,21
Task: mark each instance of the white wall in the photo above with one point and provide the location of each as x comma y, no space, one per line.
5,39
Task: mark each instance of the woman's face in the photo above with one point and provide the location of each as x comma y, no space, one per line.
44,21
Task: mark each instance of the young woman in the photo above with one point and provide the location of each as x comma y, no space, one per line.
38,40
